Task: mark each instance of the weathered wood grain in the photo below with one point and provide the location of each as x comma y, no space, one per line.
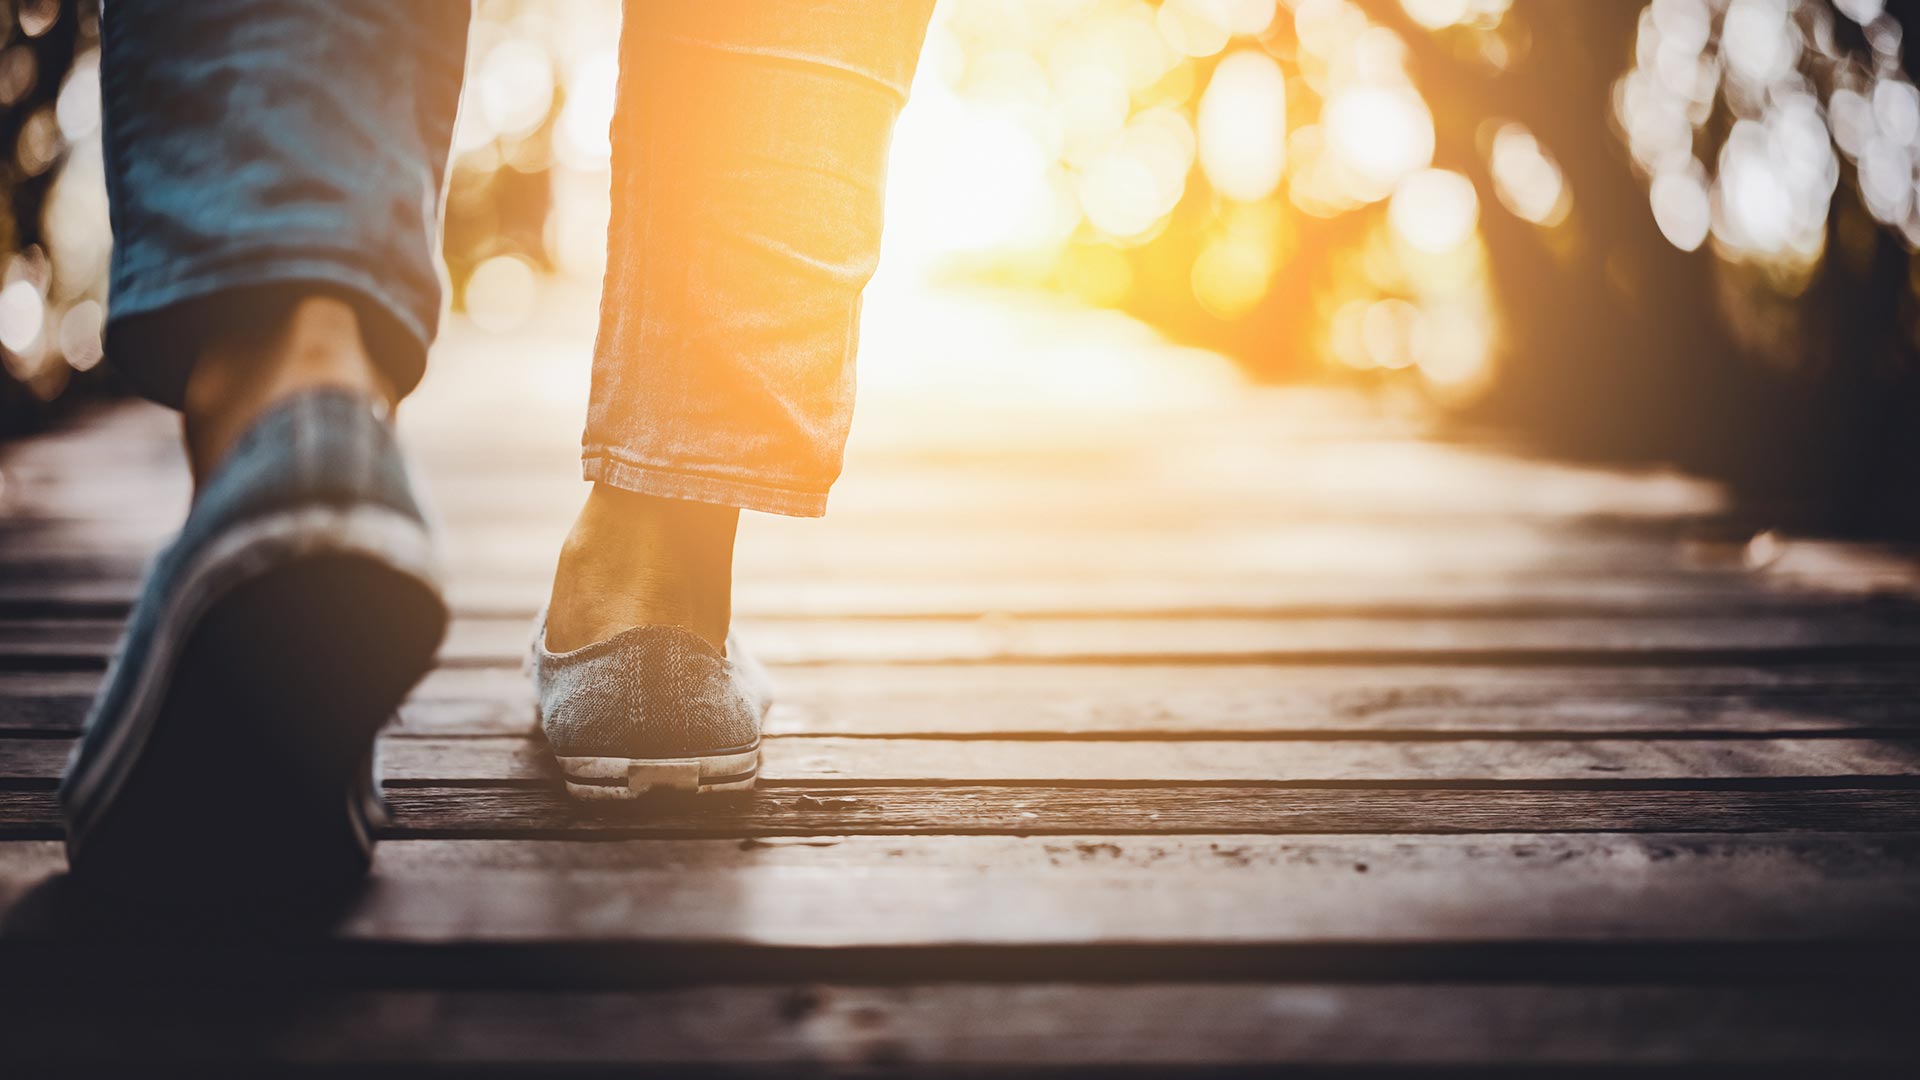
863,892
29,643
1198,703
1059,1027
906,809
1291,596
983,809
1080,563
1236,729
1150,701
1192,701
1272,449
935,641
825,760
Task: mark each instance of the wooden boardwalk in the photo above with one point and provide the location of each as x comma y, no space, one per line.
1128,721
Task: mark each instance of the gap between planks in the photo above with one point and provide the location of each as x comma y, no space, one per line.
825,760
493,813
1865,635
1191,702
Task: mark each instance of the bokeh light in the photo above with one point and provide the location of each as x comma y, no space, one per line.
1243,126
1380,133
22,314
1281,179
1434,210
1526,178
1765,195
501,293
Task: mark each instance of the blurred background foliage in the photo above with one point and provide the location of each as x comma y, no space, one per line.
1677,230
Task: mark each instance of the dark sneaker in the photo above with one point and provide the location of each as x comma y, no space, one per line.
653,709
233,737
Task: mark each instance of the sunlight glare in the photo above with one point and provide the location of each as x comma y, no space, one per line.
966,177
1203,27
22,314
1759,40
583,132
1452,349
1118,192
78,106
1526,180
501,294
80,331
1242,126
514,86
1680,208
1434,210
1234,269
1436,14
1381,133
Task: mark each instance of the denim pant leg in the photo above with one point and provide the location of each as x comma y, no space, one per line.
749,152
261,148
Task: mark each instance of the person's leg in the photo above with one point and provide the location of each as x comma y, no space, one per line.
749,154
274,169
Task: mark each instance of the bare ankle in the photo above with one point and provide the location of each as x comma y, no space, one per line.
316,343
637,560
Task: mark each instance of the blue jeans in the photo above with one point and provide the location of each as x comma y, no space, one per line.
264,148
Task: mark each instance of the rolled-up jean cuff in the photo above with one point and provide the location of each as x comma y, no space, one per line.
154,334
602,465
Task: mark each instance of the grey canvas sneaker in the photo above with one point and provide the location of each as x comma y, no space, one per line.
655,708
233,736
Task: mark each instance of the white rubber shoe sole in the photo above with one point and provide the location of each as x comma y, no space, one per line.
603,779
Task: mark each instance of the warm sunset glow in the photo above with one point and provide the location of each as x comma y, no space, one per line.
1380,133
1240,172
1063,147
1434,210
1526,178
1243,126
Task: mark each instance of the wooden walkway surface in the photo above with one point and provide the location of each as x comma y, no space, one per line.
1130,722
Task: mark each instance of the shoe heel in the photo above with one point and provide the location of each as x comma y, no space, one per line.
254,776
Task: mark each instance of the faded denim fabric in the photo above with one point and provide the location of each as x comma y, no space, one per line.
749,155
279,145
302,145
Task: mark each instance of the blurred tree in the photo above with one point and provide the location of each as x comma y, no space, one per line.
1799,388
1672,230
40,41
1695,220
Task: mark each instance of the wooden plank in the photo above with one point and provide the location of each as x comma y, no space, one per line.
821,760
852,892
71,577
935,498
909,809
1192,701
963,556
1001,544
1311,625
1319,640
1375,596
30,643
45,703
1221,529
1149,701
1061,1027
1228,452
1198,702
